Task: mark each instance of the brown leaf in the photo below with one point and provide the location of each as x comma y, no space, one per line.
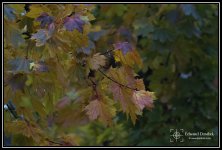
97,61
98,109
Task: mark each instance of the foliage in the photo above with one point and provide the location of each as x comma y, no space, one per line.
179,48
58,78
67,65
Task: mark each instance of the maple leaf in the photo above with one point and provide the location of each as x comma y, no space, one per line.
97,61
98,109
143,99
41,37
74,22
125,47
45,19
130,59
124,75
19,65
28,129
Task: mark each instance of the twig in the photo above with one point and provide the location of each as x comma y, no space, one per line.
108,51
94,87
54,142
117,82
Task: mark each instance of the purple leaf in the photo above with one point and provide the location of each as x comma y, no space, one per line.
19,65
45,19
42,36
74,22
87,50
125,47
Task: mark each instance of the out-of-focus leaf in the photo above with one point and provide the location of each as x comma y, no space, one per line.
143,99
125,47
28,129
74,22
88,49
45,19
97,61
9,12
41,37
19,65
35,11
97,109
189,9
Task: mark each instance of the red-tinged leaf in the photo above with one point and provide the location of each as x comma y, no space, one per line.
124,95
98,109
143,99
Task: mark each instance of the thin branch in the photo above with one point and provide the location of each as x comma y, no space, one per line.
54,142
94,87
108,51
167,59
117,82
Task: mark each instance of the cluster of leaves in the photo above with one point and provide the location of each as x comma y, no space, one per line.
179,48
62,70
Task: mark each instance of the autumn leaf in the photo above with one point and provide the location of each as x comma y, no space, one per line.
45,19
131,58
74,22
9,13
125,76
28,129
143,99
97,61
35,11
125,47
41,37
98,109
19,65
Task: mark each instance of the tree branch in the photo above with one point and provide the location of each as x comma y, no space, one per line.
117,82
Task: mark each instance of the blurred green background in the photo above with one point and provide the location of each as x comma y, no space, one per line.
179,47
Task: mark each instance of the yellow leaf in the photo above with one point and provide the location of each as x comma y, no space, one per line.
28,129
19,8
130,59
39,107
36,10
